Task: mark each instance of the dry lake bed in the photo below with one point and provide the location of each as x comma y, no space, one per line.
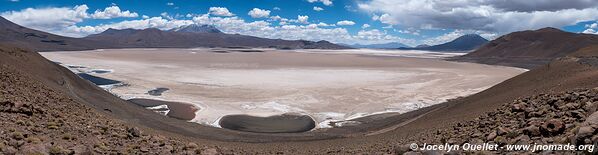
326,85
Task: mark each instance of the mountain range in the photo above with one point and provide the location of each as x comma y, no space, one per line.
391,45
191,36
195,28
463,43
531,48
183,37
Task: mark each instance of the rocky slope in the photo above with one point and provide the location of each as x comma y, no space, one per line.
530,49
35,119
556,118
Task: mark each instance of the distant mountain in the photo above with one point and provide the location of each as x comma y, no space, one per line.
422,46
195,28
529,49
464,43
390,45
11,33
153,37
183,37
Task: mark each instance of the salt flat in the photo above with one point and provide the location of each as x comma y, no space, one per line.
326,85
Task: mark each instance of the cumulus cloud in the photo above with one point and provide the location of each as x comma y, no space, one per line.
66,21
259,13
112,12
378,36
345,23
318,8
325,2
57,18
170,3
50,19
322,24
302,19
236,25
591,28
590,31
540,5
220,11
365,26
496,16
152,22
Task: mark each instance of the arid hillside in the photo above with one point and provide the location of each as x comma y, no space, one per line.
530,49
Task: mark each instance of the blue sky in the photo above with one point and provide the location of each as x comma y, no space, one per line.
411,22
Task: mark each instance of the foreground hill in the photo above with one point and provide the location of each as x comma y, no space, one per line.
464,43
45,109
184,37
529,49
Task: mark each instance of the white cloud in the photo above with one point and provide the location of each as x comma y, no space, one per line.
385,18
112,12
48,19
495,16
318,8
259,13
325,2
276,8
365,26
375,17
590,31
322,24
170,3
220,11
275,18
236,25
302,19
14,0
411,31
377,36
66,21
345,23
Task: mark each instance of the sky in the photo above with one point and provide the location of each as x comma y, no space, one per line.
412,22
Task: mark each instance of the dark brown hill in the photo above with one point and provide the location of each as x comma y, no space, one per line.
529,49
11,33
